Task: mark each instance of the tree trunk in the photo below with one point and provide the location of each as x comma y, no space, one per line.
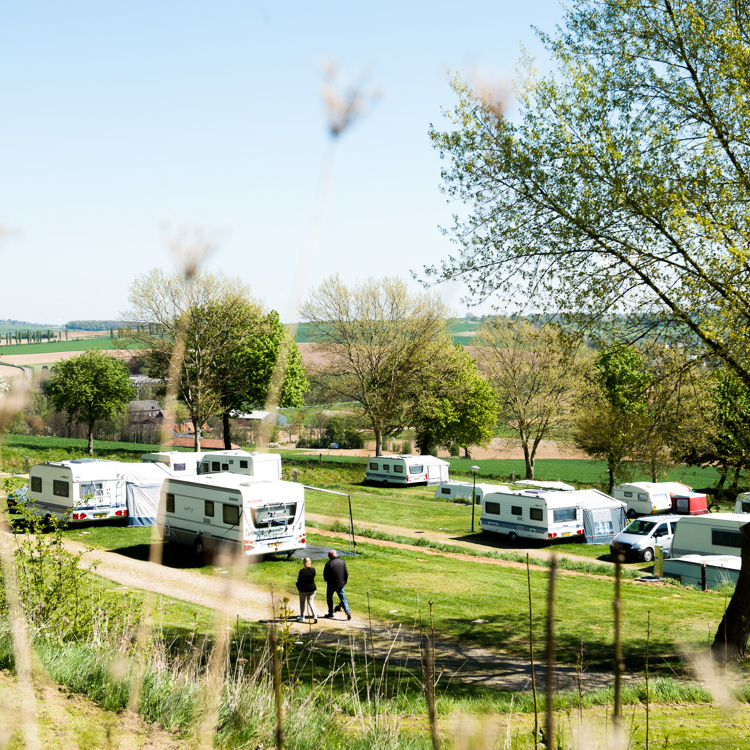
529,461
736,480
730,641
378,442
91,440
723,474
611,467
197,445
466,451
227,431
653,471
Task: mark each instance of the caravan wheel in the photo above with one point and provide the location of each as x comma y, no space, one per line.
631,514
513,536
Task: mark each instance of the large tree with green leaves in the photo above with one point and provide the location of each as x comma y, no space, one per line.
376,339
623,185
89,387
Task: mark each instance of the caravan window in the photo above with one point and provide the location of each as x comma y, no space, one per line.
208,508
398,469
215,466
274,516
93,489
564,514
225,467
721,538
60,488
231,514
628,494
373,465
243,464
416,469
180,467
443,491
536,514
642,496
36,484
492,508
516,510
386,467
170,502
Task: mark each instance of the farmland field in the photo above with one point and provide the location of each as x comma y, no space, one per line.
73,345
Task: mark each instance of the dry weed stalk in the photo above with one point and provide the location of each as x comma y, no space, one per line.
549,723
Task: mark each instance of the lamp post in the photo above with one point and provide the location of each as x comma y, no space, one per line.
474,470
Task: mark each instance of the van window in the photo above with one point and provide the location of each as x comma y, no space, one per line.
564,514
720,538
642,496
373,465
398,469
443,491
60,488
179,467
416,469
208,508
516,510
215,466
661,530
628,494
36,484
243,464
231,514
536,514
492,508
170,502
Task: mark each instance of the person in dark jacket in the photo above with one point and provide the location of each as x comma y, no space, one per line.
307,588
336,575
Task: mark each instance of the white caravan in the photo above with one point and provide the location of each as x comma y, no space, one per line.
648,498
712,534
84,489
258,465
549,514
452,490
184,463
719,569
407,470
234,514
743,503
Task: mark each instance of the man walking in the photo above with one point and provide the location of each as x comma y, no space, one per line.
336,575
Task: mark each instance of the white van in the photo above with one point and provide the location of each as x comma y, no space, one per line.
648,498
452,490
642,535
85,489
232,513
185,463
407,470
712,534
258,465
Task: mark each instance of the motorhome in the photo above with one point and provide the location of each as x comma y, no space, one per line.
180,463
712,534
407,470
454,490
233,514
258,465
648,498
550,514
84,489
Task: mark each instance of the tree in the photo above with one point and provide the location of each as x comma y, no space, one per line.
212,344
89,387
376,338
619,195
534,372
452,402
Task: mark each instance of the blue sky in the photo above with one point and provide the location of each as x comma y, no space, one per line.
121,117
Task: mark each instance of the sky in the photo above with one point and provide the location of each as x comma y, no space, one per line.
127,123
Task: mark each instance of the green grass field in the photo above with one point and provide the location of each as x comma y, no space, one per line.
72,345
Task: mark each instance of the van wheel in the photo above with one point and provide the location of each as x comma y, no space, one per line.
200,550
648,554
631,514
513,536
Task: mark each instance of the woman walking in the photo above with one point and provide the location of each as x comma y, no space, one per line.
307,588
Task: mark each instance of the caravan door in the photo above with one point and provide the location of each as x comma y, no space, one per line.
434,474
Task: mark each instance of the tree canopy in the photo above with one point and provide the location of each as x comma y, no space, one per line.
89,387
622,187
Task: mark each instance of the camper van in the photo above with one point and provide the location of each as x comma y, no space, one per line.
647,498
454,490
712,534
84,489
407,470
258,465
184,463
232,513
549,514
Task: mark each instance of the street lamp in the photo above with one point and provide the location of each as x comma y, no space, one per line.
474,470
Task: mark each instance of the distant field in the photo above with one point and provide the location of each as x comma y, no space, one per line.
11,329
71,345
459,330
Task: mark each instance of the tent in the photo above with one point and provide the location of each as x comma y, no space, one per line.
603,517
143,483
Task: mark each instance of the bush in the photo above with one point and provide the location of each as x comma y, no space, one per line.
455,450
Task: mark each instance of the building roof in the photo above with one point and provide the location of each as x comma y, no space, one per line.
206,443
144,406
